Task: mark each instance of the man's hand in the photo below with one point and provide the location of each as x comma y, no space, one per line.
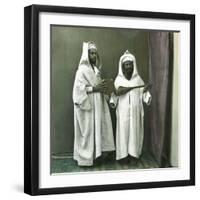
101,87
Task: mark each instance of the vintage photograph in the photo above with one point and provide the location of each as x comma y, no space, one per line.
114,99
109,99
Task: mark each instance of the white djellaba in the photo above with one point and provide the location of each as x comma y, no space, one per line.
129,111
93,131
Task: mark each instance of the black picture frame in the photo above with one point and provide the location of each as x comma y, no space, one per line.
31,98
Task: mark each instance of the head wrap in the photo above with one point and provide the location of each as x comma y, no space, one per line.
127,57
84,57
92,45
135,78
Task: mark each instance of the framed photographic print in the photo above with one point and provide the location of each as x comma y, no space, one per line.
109,99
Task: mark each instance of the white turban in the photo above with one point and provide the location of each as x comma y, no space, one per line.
84,58
135,79
92,45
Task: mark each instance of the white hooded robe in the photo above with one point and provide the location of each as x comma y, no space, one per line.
93,131
129,112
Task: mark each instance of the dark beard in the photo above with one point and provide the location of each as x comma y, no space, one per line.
128,74
92,61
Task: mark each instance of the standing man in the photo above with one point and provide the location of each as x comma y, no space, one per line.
93,131
131,93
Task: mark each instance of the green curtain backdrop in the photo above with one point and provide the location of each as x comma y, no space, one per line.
66,49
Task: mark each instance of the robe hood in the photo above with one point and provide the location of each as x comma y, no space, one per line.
135,78
85,57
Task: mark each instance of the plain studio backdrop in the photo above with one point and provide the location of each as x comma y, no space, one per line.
11,101
66,50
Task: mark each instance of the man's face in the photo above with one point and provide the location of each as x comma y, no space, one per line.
92,53
127,69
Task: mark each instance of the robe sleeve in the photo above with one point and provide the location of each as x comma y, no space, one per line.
117,83
113,100
89,89
147,97
80,91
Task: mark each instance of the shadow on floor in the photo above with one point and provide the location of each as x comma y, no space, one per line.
106,162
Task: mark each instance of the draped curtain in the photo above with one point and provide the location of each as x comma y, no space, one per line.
160,75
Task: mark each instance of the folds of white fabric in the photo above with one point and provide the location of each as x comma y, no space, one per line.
93,131
129,113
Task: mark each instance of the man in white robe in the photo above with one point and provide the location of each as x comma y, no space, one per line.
93,131
131,93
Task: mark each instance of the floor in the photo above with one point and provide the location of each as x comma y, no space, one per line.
106,162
